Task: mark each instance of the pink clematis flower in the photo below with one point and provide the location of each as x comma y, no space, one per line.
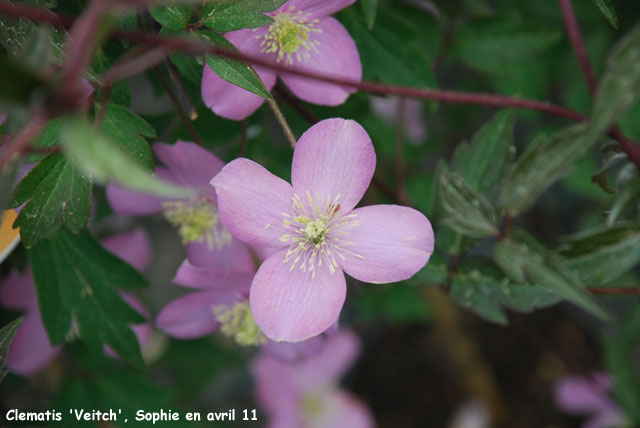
31,350
302,35
589,396
306,394
298,292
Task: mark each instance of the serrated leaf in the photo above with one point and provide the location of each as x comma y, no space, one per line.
468,212
626,195
484,162
619,86
370,8
604,254
488,43
128,129
524,259
173,17
389,53
236,72
543,163
479,286
230,15
7,333
77,278
56,193
104,161
606,7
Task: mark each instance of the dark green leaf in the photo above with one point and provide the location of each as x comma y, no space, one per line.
76,277
25,86
468,212
604,254
606,7
485,161
369,7
236,72
629,193
173,17
523,259
479,286
127,129
57,193
7,333
435,272
105,161
229,15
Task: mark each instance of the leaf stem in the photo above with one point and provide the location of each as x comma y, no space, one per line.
282,121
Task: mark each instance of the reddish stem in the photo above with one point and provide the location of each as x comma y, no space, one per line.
573,31
614,290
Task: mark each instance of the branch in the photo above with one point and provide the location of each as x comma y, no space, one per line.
573,31
614,290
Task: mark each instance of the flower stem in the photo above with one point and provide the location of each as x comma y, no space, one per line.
283,122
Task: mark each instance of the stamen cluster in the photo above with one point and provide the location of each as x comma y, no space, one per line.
290,32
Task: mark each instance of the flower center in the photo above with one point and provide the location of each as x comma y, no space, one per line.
313,405
317,233
197,220
289,32
238,323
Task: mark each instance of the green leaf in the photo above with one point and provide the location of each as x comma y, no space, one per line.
229,15
543,163
468,212
627,194
435,272
489,43
619,86
484,162
173,17
57,194
77,278
604,254
236,72
105,161
7,333
369,7
606,7
25,85
480,286
524,259
127,129
390,53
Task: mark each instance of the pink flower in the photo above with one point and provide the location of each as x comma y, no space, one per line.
589,396
31,350
298,292
306,394
302,35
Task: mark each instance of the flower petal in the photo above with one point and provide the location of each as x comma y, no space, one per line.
189,275
334,157
392,243
134,248
342,410
335,55
290,305
31,350
317,8
190,164
192,315
229,100
18,291
251,201
580,394
234,256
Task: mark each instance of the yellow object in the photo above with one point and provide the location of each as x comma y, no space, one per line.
9,237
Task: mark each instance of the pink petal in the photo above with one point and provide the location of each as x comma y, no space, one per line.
343,410
134,248
31,350
251,201
291,305
392,243
317,8
225,98
579,394
234,256
189,275
190,164
336,55
126,202
192,315
19,292
275,394
294,352
334,157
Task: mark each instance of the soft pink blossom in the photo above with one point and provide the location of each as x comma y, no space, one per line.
306,394
31,349
321,44
589,396
299,291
